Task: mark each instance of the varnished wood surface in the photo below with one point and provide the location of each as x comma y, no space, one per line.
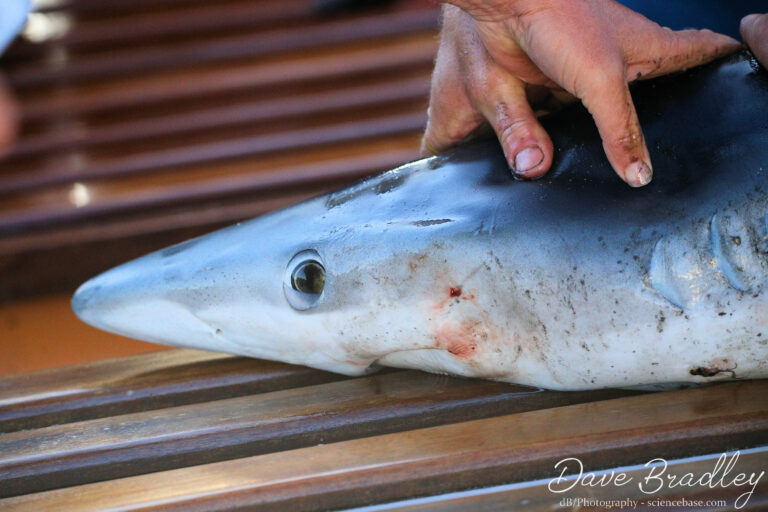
164,57
445,458
215,152
298,108
536,496
139,383
124,445
192,87
132,22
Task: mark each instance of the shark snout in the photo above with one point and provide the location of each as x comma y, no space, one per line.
135,306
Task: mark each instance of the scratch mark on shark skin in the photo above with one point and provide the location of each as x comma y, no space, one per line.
178,248
430,222
382,184
416,261
461,327
461,339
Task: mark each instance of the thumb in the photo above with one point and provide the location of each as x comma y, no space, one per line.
450,117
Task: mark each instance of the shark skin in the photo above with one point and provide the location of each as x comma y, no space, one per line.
449,265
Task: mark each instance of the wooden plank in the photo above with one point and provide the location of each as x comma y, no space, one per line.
237,115
269,184
536,496
107,448
427,461
116,29
142,91
100,6
169,56
220,150
140,383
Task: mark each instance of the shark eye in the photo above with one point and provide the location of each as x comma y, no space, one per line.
304,280
309,277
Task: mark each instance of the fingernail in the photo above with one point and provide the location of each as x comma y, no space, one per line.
527,159
638,174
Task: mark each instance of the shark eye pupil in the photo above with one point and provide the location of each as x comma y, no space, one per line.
304,280
309,277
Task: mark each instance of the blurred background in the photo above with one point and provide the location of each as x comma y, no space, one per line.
147,122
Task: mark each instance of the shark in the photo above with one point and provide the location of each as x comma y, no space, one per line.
451,265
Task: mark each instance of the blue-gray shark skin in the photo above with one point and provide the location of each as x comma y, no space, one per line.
449,265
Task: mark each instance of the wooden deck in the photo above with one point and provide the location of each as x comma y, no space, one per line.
185,430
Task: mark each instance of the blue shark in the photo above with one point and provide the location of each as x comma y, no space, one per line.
450,265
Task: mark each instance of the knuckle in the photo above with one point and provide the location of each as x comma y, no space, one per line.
512,129
439,134
454,133
607,76
596,80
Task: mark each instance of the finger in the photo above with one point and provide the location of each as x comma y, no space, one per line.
675,50
451,116
608,100
503,102
754,30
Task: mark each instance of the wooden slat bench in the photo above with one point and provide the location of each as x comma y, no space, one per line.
192,431
140,383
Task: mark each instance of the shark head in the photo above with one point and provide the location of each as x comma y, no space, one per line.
336,282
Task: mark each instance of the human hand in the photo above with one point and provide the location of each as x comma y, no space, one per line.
754,30
492,65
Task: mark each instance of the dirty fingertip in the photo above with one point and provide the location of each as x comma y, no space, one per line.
638,174
527,162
